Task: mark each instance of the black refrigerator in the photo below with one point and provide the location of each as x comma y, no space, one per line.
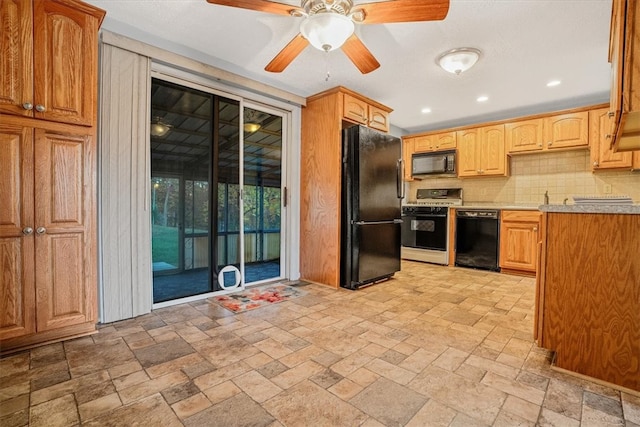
372,191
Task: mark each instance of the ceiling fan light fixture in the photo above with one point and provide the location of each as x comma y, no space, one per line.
327,31
159,128
457,61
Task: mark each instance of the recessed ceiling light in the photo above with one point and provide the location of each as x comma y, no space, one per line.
425,110
553,83
482,98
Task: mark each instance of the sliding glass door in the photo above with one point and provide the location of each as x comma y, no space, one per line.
200,172
262,173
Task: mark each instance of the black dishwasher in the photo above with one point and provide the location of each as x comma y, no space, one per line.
477,239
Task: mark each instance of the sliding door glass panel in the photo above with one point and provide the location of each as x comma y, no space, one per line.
262,152
164,219
182,140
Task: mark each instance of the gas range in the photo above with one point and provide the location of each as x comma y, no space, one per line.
425,225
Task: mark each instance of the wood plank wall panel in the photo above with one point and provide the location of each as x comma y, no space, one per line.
125,237
592,295
320,191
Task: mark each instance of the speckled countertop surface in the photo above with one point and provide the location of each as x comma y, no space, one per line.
593,208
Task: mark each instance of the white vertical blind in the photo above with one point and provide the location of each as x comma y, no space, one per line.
124,176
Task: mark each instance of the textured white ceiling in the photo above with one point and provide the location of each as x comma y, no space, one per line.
524,44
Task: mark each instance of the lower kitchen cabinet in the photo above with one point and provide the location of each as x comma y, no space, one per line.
48,279
588,295
519,237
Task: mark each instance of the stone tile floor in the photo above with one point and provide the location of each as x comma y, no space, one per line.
435,346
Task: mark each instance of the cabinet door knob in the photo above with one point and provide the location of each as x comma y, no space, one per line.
535,228
549,143
41,230
596,164
539,144
27,231
40,108
608,136
611,113
27,106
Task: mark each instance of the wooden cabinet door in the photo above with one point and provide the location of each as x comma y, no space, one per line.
616,58
16,60
65,62
523,136
64,245
519,237
17,286
355,109
602,157
567,130
378,119
445,141
423,144
493,157
407,153
469,146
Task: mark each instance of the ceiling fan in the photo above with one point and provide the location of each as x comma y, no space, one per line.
330,24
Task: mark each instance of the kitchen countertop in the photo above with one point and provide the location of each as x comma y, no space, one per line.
501,206
593,208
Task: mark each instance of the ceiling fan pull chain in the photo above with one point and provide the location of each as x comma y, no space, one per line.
327,64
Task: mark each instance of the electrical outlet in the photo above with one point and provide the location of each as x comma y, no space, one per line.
607,189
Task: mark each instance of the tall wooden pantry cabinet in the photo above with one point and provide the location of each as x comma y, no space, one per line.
48,115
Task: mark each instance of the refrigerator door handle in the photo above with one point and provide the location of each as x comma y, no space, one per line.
399,177
395,221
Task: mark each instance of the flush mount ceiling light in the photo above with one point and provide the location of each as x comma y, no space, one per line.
553,83
327,31
251,127
252,120
459,60
159,128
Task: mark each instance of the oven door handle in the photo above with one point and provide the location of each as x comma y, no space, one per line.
395,221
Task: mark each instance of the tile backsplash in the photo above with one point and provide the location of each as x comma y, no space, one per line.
563,175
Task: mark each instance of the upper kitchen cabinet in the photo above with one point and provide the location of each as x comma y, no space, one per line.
602,156
481,152
436,142
560,131
524,135
569,130
49,60
624,55
364,111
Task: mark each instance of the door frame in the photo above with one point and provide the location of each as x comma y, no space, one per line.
290,163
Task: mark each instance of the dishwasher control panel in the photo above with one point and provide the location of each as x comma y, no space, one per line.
490,214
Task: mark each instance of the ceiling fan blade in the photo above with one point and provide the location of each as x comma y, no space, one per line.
358,53
259,5
388,12
288,54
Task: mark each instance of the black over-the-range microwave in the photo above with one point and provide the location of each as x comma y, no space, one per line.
439,162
